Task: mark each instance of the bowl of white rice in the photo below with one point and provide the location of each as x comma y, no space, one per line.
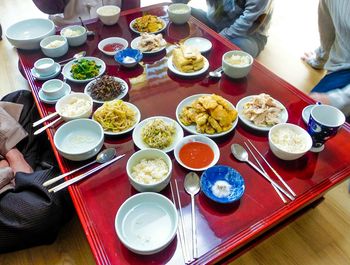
289,141
54,46
149,170
74,106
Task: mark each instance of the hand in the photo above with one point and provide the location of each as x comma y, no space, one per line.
311,59
321,97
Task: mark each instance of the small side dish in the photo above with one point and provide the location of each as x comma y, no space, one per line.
196,155
148,23
85,69
149,42
187,59
106,88
158,134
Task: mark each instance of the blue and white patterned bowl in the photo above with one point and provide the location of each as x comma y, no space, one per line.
128,53
214,176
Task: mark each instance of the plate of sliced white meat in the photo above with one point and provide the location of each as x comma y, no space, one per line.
149,43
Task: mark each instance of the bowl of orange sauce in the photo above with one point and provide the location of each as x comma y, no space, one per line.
197,152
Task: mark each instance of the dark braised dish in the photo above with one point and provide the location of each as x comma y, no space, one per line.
106,88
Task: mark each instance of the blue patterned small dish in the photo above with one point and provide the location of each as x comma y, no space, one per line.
128,57
222,184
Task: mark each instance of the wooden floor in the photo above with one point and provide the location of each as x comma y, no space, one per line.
321,236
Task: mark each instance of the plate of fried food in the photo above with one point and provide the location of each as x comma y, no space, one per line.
207,114
261,112
84,69
187,61
147,23
106,88
117,117
149,43
157,132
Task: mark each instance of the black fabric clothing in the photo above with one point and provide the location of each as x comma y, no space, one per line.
29,214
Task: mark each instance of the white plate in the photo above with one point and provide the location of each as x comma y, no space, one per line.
137,118
66,69
134,44
192,128
43,98
136,31
240,104
137,138
204,45
199,72
120,96
46,77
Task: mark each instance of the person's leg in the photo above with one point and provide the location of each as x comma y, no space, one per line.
332,81
202,16
247,44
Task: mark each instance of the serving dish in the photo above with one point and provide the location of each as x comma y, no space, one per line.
173,69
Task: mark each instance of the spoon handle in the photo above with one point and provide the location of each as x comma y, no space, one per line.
271,181
53,180
194,230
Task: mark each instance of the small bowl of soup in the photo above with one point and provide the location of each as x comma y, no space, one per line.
197,152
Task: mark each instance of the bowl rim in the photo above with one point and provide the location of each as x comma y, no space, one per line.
79,94
149,185
84,32
26,20
108,6
197,138
238,66
295,127
171,7
61,37
139,55
101,138
171,209
109,40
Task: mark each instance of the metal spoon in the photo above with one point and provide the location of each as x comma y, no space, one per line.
75,56
241,154
192,188
103,157
88,32
217,73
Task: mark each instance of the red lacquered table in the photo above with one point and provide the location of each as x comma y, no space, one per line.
222,230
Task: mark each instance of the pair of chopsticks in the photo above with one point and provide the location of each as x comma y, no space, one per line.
84,175
180,228
272,169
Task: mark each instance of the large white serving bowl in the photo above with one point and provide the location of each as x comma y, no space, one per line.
54,51
27,34
79,139
236,70
146,223
149,153
304,140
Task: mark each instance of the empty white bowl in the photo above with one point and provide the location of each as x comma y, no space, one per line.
179,13
289,141
237,68
109,14
79,139
74,106
148,154
76,35
197,139
54,46
27,34
115,42
53,89
146,223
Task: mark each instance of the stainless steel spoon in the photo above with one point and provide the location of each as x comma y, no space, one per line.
217,73
103,157
192,188
75,56
241,154
88,32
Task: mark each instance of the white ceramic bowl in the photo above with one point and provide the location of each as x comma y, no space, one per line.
179,13
53,88
148,154
27,34
71,99
201,139
79,139
112,40
236,70
109,14
146,223
284,151
76,35
54,51
45,66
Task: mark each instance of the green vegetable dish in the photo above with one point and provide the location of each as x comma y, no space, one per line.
85,69
158,134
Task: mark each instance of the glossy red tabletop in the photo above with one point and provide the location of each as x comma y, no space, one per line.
222,229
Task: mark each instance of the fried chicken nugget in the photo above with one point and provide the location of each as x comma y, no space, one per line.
208,102
201,119
215,124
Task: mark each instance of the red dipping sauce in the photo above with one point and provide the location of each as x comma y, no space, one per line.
112,47
196,155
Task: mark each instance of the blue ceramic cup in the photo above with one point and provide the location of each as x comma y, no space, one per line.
324,123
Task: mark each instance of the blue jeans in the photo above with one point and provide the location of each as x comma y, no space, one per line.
338,79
